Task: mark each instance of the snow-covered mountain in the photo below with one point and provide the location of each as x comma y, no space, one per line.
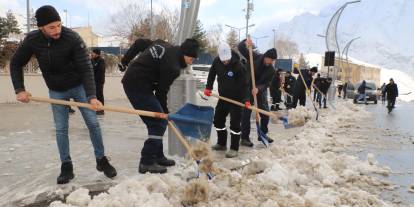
385,28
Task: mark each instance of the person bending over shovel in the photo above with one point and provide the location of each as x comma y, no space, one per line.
146,82
233,82
264,72
67,70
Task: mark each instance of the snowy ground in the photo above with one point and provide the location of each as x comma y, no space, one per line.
315,165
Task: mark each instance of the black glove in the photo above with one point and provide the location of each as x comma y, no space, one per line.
121,67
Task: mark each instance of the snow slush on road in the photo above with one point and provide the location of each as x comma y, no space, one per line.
306,166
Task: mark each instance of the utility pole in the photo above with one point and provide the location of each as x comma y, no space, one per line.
238,28
151,24
66,17
248,9
274,38
28,15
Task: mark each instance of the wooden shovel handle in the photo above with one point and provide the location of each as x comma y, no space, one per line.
107,108
122,110
267,113
253,76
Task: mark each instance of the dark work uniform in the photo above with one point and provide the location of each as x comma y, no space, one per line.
288,87
299,92
275,92
146,82
233,83
263,76
98,64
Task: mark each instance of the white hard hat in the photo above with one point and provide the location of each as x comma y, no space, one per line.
224,51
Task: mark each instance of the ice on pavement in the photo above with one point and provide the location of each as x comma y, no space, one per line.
309,168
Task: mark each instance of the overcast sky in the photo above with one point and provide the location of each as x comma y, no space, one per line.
266,15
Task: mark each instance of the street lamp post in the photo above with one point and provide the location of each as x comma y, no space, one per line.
239,29
274,37
258,38
331,40
66,17
249,9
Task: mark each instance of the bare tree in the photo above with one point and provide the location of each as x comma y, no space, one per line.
232,39
213,38
127,18
134,21
302,62
286,48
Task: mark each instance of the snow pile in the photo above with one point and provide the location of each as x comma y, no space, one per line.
309,169
298,116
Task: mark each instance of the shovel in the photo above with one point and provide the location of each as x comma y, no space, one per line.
274,116
307,89
262,136
191,120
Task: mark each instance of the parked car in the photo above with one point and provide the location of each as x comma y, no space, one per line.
371,92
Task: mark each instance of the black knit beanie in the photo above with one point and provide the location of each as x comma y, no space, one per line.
45,15
272,54
314,69
190,48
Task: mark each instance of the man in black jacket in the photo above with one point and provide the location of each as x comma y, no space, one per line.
316,83
264,72
299,93
275,92
147,81
98,64
288,87
391,91
233,83
67,70
323,86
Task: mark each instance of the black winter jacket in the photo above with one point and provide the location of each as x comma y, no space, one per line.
289,84
154,70
391,90
99,69
64,62
233,78
299,85
263,73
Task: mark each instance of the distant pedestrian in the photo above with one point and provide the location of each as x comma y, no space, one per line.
391,90
98,64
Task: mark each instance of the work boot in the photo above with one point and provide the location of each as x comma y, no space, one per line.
103,165
270,140
246,142
231,153
66,173
218,147
154,168
164,161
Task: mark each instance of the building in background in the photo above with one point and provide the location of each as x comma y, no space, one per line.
91,39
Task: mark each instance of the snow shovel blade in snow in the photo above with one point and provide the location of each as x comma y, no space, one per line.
194,121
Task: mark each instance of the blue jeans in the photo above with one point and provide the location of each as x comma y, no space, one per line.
362,96
61,118
153,147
